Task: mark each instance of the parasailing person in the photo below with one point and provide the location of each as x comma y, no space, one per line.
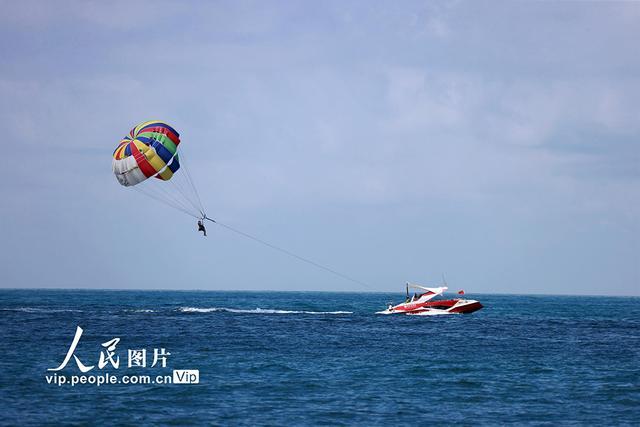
201,227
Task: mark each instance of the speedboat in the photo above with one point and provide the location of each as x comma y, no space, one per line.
424,304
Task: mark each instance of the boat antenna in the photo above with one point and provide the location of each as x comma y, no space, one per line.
407,289
444,280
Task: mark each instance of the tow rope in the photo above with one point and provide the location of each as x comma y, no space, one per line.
289,253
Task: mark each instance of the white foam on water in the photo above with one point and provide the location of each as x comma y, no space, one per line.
40,310
432,312
141,310
328,312
257,310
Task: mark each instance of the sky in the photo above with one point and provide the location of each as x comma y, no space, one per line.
496,143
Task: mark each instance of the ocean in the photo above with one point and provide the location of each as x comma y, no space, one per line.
315,358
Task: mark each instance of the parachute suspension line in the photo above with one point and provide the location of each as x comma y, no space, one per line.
291,254
195,190
181,191
184,195
193,185
162,192
164,201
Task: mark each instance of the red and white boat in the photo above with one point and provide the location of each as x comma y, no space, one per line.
424,304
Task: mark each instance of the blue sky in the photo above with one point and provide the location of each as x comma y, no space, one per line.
495,142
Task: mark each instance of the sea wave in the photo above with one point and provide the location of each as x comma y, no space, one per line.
41,310
140,310
257,310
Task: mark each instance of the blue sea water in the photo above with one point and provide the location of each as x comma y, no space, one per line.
314,358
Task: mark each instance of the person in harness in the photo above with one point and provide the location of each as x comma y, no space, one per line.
201,227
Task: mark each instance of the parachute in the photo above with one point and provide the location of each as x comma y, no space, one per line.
150,150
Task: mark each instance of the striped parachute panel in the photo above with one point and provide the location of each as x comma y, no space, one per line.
149,150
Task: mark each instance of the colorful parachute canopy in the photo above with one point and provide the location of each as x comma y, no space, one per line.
149,150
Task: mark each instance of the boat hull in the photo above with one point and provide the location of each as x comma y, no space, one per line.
428,308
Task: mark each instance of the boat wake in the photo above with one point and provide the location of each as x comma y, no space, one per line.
41,310
254,311
432,312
